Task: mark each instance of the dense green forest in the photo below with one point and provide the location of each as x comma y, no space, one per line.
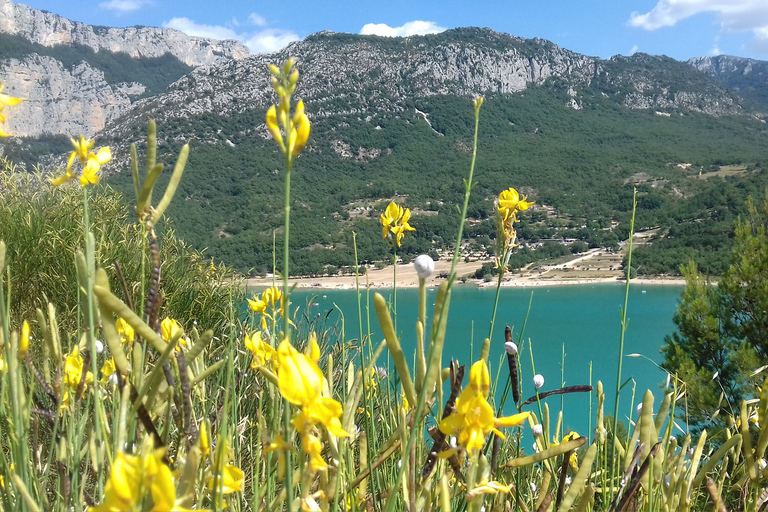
582,165
155,73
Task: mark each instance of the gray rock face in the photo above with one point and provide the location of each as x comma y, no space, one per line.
59,100
78,99
51,29
372,76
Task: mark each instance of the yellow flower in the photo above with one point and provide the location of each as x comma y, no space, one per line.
278,117
300,379
301,383
486,487
24,341
170,328
571,436
509,204
73,370
263,352
270,298
474,417
125,331
204,441
6,100
312,447
90,161
107,370
395,220
130,480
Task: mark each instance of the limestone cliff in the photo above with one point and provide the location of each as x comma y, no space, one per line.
51,29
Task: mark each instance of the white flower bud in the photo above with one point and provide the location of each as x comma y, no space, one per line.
424,266
639,408
99,347
510,348
537,430
533,487
538,381
453,442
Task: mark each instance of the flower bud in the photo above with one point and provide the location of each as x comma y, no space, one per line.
538,381
510,347
294,77
274,70
24,341
287,65
424,266
478,103
99,347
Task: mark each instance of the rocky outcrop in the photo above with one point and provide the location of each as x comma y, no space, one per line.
51,29
748,76
59,100
364,76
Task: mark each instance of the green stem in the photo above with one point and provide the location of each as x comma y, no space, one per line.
90,258
623,330
394,289
467,190
286,253
417,430
369,420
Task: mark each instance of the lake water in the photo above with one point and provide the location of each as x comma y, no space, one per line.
580,321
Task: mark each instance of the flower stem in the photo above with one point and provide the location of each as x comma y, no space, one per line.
624,326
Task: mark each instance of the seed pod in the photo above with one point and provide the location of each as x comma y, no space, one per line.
512,362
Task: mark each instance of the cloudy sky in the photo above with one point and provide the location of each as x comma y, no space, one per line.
679,28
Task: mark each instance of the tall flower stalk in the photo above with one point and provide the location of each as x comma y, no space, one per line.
291,134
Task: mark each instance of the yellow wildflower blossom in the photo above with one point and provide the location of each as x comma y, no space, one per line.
263,352
107,370
271,298
474,417
486,487
91,162
125,330
130,480
296,127
301,383
73,370
571,436
395,220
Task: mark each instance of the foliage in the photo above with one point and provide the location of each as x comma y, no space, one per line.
42,232
723,330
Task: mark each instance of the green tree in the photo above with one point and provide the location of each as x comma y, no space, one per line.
722,333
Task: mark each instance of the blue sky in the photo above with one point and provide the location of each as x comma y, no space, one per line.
678,28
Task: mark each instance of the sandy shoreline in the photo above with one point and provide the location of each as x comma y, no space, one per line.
407,278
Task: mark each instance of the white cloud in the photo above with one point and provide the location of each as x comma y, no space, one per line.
267,40
633,50
123,6
191,28
411,28
257,20
733,16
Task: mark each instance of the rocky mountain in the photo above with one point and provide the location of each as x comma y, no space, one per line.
375,76
392,119
77,77
50,29
748,76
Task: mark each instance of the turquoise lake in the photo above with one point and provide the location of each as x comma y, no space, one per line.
581,321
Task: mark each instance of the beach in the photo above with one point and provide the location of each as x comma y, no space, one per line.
590,268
